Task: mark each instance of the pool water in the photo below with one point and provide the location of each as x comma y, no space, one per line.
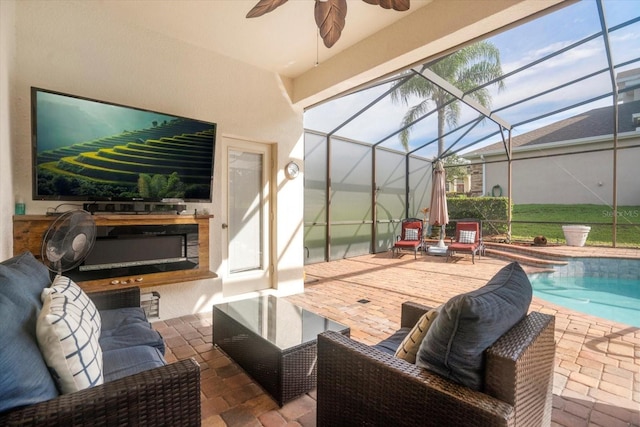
610,298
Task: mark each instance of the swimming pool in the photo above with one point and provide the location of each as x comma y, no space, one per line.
603,287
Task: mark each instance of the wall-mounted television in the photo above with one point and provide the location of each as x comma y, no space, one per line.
90,150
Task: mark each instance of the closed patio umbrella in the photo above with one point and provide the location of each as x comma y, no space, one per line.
438,213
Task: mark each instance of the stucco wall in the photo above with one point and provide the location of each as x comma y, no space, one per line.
71,47
585,178
7,51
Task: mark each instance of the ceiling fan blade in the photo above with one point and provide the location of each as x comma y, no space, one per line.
264,6
330,17
399,5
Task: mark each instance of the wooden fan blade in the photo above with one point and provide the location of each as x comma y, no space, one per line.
399,5
330,17
264,6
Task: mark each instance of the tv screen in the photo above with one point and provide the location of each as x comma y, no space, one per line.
90,150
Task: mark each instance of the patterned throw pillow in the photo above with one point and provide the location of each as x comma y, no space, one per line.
411,234
77,296
467,236
408,348
68,332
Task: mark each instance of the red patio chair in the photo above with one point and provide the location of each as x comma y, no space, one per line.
410,237
467,239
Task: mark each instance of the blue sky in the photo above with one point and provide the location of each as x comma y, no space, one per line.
518,46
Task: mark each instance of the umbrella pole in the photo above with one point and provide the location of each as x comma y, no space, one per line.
441,241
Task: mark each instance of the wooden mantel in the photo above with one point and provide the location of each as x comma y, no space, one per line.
28,231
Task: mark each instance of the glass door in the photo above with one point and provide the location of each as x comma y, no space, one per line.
247,226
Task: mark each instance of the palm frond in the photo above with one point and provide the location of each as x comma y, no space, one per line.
412,114
467,69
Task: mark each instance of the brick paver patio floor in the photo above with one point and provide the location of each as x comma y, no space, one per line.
597,373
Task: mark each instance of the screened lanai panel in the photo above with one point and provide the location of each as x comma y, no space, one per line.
420,181
350,170
390,196
470,126
628,211
349,240
368,127
586,94
423,134
315,237
332,114
569,188
556,69
315,192
533,38
625,45
554,72
525,77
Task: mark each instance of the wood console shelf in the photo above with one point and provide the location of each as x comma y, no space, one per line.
28,231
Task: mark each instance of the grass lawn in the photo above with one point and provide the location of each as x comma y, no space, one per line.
628,234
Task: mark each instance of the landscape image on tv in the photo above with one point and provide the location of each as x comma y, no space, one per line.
91,150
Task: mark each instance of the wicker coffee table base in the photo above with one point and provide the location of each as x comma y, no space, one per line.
284,374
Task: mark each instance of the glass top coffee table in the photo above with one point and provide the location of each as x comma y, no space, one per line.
274,341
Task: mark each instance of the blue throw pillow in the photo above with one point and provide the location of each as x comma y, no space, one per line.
470,323
24,377
27,277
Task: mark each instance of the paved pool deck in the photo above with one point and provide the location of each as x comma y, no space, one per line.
597,366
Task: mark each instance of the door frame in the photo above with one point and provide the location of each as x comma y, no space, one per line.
264,279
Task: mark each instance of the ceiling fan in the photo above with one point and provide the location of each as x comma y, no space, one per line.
330,14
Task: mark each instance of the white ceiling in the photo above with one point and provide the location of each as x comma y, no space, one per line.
284,41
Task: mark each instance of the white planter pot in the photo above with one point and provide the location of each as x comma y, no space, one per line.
576,235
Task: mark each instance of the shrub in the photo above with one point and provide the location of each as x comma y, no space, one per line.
481,208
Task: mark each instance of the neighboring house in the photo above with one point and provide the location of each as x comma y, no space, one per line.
570,161
627,79
460,185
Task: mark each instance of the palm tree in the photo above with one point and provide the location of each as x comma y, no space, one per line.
465,69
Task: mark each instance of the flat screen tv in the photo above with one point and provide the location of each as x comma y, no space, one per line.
90,150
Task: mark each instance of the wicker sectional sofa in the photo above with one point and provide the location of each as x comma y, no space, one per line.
137,387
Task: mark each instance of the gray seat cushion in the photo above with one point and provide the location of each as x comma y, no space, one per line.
111,319
130,333
24,376
391,344
469,323
123,362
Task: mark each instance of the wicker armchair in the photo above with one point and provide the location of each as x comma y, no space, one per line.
361,386
169,395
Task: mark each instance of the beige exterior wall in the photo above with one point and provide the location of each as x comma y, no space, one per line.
582,178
